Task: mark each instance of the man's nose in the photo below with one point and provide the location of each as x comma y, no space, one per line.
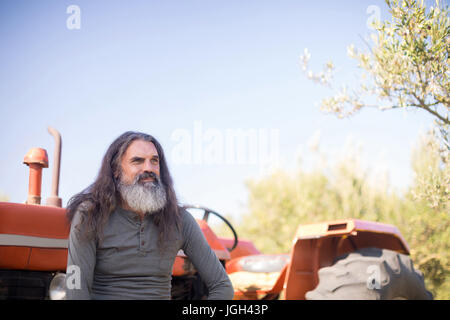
147,166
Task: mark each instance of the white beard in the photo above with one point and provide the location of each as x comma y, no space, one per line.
148,197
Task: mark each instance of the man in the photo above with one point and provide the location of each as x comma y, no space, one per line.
126,229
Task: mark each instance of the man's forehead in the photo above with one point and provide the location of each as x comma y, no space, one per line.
141,147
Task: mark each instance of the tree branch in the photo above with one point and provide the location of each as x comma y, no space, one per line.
436,114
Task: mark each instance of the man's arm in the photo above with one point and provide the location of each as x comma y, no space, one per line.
205,260
80,263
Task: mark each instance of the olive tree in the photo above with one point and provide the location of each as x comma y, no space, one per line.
406,65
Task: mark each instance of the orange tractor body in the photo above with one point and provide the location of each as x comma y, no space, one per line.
315,246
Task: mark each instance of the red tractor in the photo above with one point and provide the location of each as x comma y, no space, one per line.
345,259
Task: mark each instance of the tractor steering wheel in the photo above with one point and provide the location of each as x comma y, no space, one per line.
207,212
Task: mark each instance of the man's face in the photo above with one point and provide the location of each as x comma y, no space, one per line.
139,182
141,156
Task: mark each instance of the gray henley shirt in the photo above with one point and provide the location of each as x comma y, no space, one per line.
128,264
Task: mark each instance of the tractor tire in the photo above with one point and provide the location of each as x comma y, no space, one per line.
370,274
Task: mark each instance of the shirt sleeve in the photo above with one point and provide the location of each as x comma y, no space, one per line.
205,260
80,263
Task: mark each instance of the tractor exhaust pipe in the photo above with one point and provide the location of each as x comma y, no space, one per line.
54,200
35,159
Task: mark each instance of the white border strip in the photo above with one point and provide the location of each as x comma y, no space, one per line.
30,241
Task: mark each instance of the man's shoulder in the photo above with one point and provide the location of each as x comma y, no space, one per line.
187,219
184,214
83,208
81,212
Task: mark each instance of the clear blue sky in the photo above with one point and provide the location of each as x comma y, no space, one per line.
163,66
